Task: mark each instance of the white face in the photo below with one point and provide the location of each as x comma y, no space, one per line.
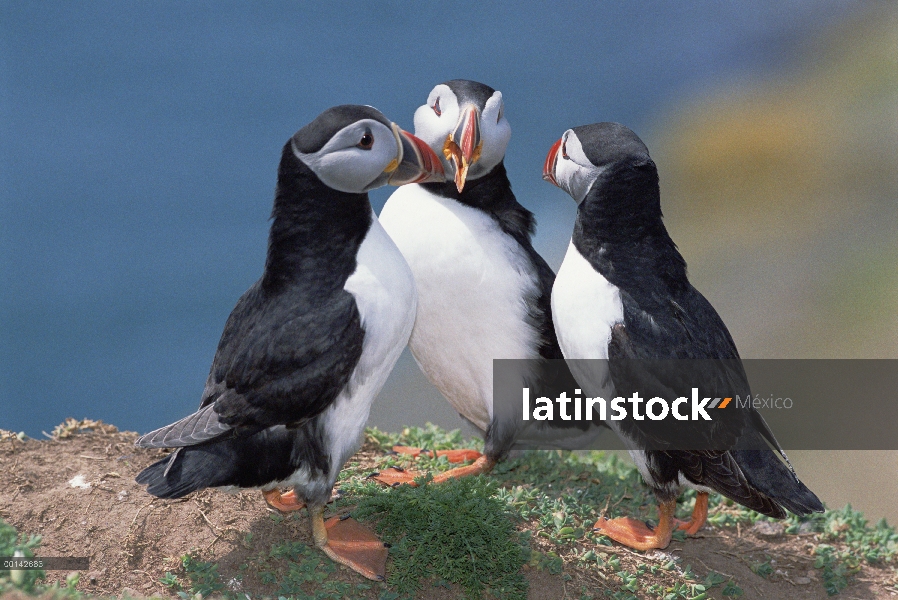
573,171
433,128
355,158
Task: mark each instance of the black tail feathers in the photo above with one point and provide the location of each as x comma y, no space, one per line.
769,475
187,470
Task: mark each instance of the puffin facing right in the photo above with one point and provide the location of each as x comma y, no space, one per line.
308,346
622,293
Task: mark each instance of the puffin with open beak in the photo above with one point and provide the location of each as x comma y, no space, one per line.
309,346
463,145
483,291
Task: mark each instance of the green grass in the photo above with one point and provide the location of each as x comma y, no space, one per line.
429,437
460,532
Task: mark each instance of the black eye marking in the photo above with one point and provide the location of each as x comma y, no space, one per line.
367,141
501,110
436,107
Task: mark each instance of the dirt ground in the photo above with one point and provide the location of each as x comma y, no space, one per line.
132,539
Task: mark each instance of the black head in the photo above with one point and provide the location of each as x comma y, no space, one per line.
473,92
321,210
609,143
600,154
316,134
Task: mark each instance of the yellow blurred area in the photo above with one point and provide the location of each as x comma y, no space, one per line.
783,197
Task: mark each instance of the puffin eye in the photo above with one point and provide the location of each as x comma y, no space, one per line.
564,150
366,142
436,107
501,110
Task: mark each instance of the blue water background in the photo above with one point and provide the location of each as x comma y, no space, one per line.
139,145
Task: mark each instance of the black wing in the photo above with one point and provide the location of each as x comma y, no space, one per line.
684,325
736,460
282,359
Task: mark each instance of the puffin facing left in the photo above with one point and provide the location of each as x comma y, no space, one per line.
310,344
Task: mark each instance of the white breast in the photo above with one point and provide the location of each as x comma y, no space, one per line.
472,280
384,292
585,306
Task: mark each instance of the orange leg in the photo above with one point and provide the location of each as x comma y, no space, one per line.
453,456
635,534
286,502
699,515
395,476
347,542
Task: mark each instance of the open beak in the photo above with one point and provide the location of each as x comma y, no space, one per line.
416,161
463,145
551,161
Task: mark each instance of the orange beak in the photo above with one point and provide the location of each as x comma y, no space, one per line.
463,145
551,161
419,163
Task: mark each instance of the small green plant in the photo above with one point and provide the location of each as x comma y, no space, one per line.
203,576
13,544
170,580
763,569
12,435
197,578
876,545
713,579
550,561
731,590
837,567
630,581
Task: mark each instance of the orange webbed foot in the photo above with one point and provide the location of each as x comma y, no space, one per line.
286,502
635,534
453,456
481,465
350,543
699,515
393,476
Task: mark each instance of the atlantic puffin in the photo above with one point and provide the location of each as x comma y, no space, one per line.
622,293
310,344
483,291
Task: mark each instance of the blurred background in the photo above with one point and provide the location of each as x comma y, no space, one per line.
139,146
